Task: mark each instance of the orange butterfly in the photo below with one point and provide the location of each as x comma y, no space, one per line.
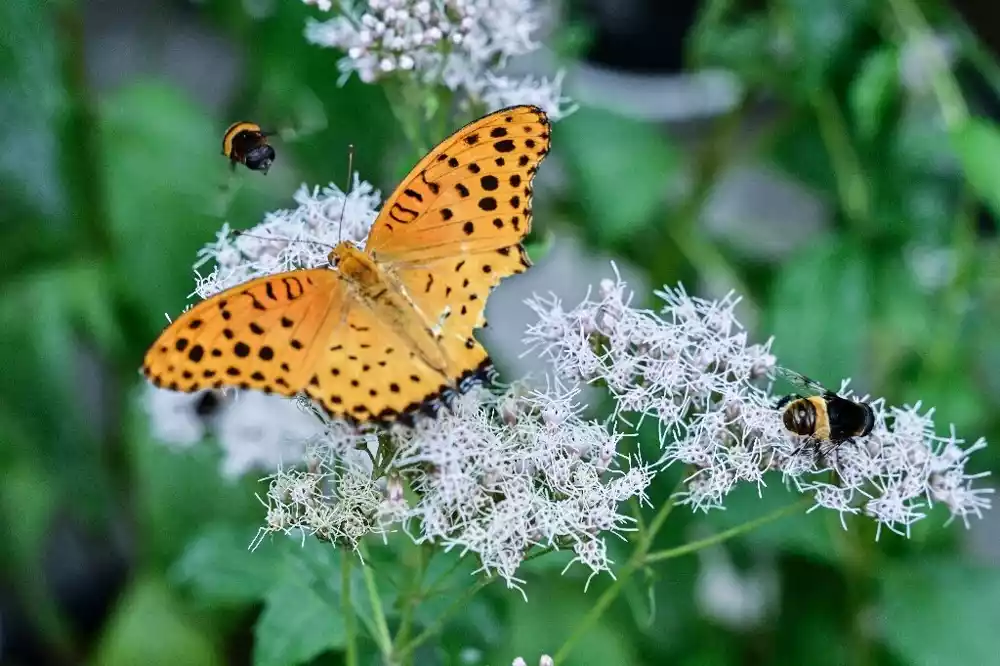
389,333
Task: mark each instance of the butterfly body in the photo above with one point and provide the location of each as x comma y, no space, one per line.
385,296
384,332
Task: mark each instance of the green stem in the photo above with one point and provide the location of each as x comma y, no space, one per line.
348,611
852,187
413,597
695,546
436,626
458,604
382,637
634,563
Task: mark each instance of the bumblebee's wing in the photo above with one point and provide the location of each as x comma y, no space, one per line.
803,382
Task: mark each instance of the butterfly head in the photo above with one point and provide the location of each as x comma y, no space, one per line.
354,264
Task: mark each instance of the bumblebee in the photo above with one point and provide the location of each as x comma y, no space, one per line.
246,143
824,416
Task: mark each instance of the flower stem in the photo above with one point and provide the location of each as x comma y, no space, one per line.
351,657
634,562
382,637
413,597
695,546
436,626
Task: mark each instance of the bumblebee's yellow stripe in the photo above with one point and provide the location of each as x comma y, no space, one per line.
822,429
234,129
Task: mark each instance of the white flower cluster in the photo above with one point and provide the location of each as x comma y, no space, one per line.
496,476
289,239
460,43
513,472
690,367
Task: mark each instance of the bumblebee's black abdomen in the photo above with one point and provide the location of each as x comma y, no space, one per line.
848,418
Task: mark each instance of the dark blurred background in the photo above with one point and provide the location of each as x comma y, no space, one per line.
793,150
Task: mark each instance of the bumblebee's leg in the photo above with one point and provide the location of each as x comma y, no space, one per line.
784,400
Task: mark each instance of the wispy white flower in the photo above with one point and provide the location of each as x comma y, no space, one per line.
545,660
260,432
496,476
690,367
503,91
173,417
290,239
464,44
738,599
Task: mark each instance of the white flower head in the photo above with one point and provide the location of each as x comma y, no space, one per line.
463,44
690,367
290,239
485,483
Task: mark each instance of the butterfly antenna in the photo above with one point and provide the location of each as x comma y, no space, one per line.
347,190
239,232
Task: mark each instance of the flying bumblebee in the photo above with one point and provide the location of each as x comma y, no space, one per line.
825,417
246,143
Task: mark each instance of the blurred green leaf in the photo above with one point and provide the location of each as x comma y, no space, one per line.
941,612
977,144
743,45
150,627
33,104
903,318
181,492
297,624
533,629
220,567
799,533
819,310
956,399
48,318
540,246
622,168
164,175
820,32
872,90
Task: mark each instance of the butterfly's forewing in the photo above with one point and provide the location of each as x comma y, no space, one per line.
266,334
470,194
453,229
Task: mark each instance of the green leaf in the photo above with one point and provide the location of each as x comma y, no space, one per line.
46,318
820,33
621,168
819,312
873,89
33,104
220,567
976,144
941,612
150,627
297,624
540,246
181,492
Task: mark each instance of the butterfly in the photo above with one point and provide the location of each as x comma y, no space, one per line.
384,333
